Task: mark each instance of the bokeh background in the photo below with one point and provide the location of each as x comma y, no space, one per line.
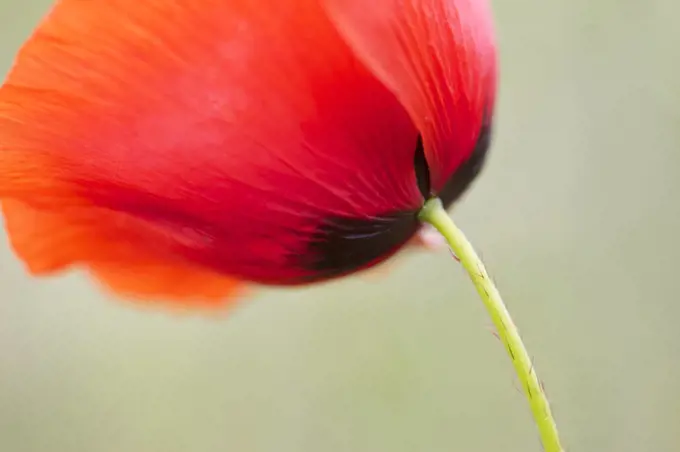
576,214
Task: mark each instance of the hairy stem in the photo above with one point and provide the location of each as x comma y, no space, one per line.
434,213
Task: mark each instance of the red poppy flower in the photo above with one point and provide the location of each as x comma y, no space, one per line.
178,148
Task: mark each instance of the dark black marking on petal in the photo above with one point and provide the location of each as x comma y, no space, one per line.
467,172
422,170
341,246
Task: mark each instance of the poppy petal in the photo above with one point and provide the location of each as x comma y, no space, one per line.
439,58
49,241
240,131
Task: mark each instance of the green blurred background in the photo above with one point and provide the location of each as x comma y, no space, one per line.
576,215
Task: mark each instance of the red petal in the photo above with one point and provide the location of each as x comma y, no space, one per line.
121,256
234,127
438,57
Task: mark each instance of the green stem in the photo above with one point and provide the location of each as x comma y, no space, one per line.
434,213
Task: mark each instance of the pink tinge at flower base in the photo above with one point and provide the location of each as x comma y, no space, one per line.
183,149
